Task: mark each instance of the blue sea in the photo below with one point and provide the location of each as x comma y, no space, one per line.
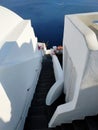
47,16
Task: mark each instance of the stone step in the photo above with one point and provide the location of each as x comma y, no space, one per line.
67,126
37,110
45,84
92,122
50,110
58,128
46,80
79,125
38,102
45,129
42,90
40,94
37,122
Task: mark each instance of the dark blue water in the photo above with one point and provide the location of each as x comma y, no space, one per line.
47,16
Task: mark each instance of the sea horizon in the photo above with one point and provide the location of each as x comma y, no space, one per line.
47,17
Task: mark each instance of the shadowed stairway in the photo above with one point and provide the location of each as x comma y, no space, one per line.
39,114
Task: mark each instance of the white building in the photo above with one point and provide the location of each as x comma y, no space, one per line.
20,64
80,66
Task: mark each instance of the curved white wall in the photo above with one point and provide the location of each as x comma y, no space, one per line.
20,65
16,80
8,20
57,88
80,71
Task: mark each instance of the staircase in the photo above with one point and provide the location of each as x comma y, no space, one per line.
39,114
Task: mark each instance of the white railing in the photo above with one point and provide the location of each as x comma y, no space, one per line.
57,87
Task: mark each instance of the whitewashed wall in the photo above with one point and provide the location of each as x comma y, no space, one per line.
20,65
80,71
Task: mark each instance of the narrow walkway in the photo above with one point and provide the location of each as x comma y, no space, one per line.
39,114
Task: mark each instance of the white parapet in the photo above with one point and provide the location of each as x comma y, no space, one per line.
80,66
57,88
20,65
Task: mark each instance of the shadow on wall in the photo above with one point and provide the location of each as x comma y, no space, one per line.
17,70
11,51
